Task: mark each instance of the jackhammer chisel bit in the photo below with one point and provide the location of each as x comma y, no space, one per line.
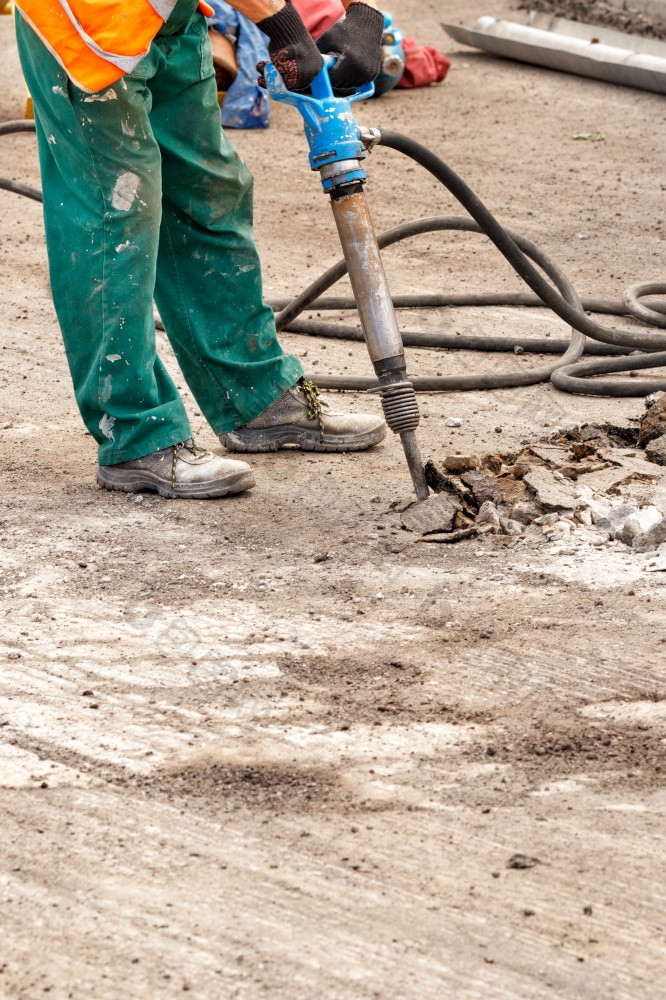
336,150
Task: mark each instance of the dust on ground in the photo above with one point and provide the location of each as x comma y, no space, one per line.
276,746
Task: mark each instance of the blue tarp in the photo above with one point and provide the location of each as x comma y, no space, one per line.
245,104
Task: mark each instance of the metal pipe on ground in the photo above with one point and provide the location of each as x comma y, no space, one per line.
578,48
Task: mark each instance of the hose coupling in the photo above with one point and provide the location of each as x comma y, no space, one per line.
370,137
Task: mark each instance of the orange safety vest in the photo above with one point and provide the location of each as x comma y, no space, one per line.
98,41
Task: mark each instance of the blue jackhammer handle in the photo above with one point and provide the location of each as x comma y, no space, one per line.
321,85
321,89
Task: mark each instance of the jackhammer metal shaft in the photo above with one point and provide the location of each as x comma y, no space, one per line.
380,326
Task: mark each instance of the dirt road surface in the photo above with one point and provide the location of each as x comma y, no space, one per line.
273,746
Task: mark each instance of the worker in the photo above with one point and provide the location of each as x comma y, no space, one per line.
145,198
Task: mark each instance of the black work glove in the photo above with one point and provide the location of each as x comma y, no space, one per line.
357,43
291,48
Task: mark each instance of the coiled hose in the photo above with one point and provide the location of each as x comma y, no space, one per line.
646,348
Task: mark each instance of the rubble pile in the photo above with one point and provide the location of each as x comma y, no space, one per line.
609,481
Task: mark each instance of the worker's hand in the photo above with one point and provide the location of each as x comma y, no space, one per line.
357,43
291,48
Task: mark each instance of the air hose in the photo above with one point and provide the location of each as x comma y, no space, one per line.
645,348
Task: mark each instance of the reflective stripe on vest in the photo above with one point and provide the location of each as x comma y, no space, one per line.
97,41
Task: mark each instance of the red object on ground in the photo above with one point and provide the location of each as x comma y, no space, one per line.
423,65
318,15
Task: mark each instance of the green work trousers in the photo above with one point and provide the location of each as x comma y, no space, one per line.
145,198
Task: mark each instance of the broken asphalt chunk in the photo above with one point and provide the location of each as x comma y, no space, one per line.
489,515
525,511
451,536
653,422
551,493
652,538
435,514
656,450
461,463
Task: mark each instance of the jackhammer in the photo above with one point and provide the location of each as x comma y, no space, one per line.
337,146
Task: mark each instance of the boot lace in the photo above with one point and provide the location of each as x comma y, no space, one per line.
188,445
315,404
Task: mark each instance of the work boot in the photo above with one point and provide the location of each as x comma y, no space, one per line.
297,417
183,470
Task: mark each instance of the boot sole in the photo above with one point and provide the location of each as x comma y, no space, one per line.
258,440
138,481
